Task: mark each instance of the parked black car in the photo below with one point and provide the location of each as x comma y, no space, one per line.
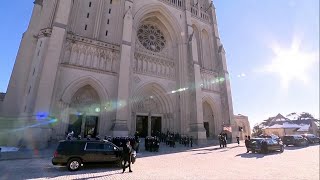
265,145
295,140
271,136
311,138
75,153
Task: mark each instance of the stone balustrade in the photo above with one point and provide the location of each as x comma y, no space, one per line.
180,4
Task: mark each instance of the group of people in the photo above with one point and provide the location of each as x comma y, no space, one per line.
171,138
223,139
152,144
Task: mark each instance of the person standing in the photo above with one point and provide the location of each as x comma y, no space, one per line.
225,140
127,150
220,139
238,140
137,141
247,142
264,147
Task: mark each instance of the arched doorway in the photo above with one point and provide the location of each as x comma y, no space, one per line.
84,112
152,108
208,119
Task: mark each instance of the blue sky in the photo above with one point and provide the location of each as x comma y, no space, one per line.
272,52
251,30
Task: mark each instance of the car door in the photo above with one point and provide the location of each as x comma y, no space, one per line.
110,153
275,145
271,145
94,152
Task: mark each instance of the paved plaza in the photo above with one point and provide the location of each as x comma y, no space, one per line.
183,163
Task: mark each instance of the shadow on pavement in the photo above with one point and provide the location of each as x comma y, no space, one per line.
294,147
178,149
256,155
46,170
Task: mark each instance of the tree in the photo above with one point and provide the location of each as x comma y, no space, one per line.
257,130
305,115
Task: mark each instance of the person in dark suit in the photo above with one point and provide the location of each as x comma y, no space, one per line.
264,147
127,150
220,139
225,139
247,142
238,140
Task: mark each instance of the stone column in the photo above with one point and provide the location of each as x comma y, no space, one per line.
120,126
149,124
196,122
51,61
226,98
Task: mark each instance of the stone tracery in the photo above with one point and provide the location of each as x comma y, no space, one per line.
151,37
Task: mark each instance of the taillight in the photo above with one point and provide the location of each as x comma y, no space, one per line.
55,154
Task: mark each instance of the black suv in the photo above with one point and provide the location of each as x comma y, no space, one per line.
256,145
295,140
75,153
311,138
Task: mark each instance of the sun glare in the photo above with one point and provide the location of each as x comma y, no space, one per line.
292,64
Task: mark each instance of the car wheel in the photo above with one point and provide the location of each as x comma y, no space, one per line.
74,164
265,151
281,149
120,163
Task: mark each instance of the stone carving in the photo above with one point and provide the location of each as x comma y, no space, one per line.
85,99
151,37
136,79
91,57
210,80
148,105
171,86
144,64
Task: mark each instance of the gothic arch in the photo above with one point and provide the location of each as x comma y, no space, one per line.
157,92
210,114
163,14
85,99
81,82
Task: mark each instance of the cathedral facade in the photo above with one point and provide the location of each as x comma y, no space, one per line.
114,67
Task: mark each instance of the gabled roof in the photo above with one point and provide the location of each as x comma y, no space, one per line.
286,125
276,119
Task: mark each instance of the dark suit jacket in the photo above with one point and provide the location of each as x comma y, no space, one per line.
247,142
127,150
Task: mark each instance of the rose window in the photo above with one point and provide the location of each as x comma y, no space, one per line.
151,37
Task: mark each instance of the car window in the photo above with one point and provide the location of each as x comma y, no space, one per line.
109,147
70,146
95,146
269,141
